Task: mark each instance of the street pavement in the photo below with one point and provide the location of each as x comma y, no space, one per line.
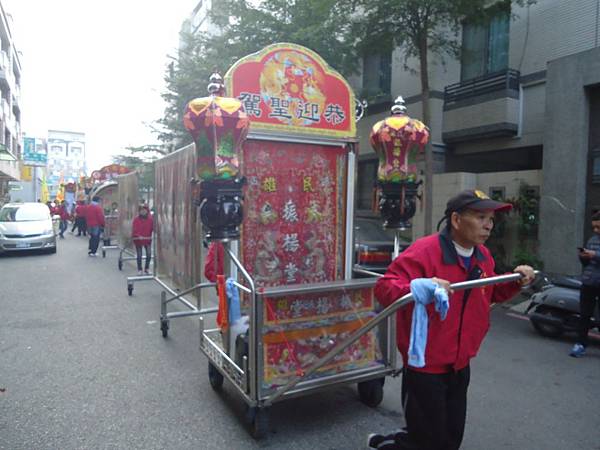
84,366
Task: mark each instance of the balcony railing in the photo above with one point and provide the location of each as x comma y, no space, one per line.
504,80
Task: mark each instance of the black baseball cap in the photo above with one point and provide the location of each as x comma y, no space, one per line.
474,199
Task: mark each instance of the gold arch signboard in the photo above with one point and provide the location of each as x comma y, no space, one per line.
289,89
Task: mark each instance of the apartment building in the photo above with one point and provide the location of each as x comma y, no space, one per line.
66,158
10,108
199,21
522,105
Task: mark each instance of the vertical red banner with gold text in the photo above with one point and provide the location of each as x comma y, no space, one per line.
293,230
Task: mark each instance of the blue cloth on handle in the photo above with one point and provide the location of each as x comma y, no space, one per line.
424,291
233,296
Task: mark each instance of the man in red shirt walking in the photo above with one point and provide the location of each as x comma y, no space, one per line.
94,217
64,217
434,391
142,237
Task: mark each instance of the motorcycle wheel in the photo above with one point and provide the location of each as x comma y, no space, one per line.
546,329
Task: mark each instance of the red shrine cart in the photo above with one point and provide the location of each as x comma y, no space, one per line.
306,324
293,261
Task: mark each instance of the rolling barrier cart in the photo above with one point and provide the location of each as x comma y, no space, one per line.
110,236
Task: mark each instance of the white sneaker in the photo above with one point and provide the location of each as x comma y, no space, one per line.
140,272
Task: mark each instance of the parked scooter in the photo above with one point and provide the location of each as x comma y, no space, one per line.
555,307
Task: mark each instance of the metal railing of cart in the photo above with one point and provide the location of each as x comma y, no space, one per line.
246,375
110,236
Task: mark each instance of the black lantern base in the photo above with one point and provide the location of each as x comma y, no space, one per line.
221,208
398,203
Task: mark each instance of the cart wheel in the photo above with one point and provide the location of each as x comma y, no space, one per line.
104,253
120,264
258,419
371,392
215,377
164,327
130,289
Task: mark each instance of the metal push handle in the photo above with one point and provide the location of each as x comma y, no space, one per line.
391,309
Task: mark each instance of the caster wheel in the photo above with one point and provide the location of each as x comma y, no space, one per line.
371,392
214,377
130,289
258,419
120,264
164,327
104,253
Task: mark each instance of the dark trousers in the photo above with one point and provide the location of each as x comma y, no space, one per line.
588,296
435,409
62,227
79,224
94,239
138,251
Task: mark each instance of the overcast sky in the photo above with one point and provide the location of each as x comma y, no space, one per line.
95,67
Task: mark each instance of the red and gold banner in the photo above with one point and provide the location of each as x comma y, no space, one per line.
318,306
287,88
109,172
300,329
294,212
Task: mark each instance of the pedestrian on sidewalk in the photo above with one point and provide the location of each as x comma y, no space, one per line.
142,229
436,347
63,212
589,295
94,217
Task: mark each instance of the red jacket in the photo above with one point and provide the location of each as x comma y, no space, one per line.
94,215
142,231
435,256
215,251
80,211
63,213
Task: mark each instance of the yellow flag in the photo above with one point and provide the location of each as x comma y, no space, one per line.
45,193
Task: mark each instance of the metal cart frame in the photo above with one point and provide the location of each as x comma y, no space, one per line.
247,379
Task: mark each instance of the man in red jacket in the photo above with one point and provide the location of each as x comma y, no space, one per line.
142,237
64,217
434,396
80,218
94,217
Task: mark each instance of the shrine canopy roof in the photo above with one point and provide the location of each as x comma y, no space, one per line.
287,89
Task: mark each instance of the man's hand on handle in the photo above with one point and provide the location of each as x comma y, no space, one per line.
444,284
527,272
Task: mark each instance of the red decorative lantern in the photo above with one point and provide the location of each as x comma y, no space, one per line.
397,141
219,126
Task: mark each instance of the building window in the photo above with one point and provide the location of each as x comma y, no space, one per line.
377,76
365,184
485,45
498,193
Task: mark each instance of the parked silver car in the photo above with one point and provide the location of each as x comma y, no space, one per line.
374,245
26,226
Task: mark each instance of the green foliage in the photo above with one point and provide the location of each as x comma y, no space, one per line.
527,208
524,256
144,167
341,31
320,25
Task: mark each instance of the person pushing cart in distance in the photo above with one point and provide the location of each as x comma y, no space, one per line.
142,229
436,353
94,218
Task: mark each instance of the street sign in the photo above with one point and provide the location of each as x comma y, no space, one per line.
34,152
